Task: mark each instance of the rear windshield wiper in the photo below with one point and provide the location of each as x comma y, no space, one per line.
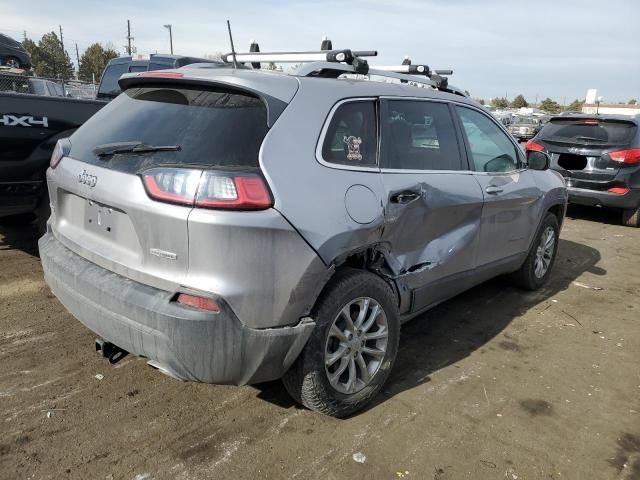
132,147
590,139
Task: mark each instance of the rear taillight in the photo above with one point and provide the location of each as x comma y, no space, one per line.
172,185
630,156
208,189
240,192
534,146
201,303
619,190
62,149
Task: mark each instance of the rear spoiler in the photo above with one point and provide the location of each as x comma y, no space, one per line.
274,106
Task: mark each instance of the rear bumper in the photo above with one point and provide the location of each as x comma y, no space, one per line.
583,196
188,344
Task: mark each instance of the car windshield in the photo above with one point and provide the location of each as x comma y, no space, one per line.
588,130
109,87
525,121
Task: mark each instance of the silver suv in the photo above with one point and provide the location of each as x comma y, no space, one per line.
239,226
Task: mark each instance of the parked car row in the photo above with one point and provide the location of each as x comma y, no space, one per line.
238,226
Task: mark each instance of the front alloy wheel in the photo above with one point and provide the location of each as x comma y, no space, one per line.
545,251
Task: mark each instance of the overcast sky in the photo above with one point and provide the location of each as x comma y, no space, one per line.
555,48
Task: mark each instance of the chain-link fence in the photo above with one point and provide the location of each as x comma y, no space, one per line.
17,83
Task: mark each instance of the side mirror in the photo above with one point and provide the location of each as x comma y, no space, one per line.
538,160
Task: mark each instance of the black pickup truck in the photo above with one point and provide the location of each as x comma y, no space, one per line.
31,123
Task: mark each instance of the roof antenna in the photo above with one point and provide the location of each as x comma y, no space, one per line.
233,50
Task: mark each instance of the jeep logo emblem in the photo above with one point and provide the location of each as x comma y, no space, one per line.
87,179
23,121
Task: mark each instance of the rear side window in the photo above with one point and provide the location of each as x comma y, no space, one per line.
588,130
109,87
491,149
212,128
351,137
419,135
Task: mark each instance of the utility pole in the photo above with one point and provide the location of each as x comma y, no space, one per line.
25,35
129,38
78,59
63,55
170,37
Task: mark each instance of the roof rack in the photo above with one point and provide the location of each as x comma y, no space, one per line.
330,63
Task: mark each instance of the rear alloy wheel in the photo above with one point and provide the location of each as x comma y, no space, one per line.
631,217
12,62
352,348
537,266
356,345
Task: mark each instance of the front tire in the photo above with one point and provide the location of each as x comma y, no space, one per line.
352,349
631,217
536,269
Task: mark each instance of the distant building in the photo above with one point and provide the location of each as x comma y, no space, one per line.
611,108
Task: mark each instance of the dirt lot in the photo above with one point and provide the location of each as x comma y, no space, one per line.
493,384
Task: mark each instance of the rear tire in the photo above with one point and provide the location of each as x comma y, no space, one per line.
535,270
342,339
631,217
12,62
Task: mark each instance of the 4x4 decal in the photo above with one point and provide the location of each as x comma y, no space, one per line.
10,120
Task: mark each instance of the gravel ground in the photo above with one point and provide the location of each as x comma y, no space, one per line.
494,384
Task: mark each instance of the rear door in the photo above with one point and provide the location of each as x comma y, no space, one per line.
433,205
511,196
102,209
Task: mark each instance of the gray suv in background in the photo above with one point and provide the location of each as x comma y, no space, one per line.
239,226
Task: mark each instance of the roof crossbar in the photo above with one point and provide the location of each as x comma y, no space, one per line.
345,55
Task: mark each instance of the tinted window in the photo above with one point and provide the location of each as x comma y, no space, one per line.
109,87
38,87
158,66
491,148
212,127
418,135
589,131
137,68
351,137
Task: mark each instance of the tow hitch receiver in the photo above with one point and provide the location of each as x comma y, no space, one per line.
111,352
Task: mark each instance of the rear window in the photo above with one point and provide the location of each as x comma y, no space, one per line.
597,131
211,127
109,87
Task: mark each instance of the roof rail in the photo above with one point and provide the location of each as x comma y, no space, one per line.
330,63
334,70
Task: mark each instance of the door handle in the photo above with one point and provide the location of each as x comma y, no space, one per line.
404,197
492,189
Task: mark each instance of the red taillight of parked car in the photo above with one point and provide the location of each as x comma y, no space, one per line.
618,190
201,303
629,156
208,189
533,146
62,148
